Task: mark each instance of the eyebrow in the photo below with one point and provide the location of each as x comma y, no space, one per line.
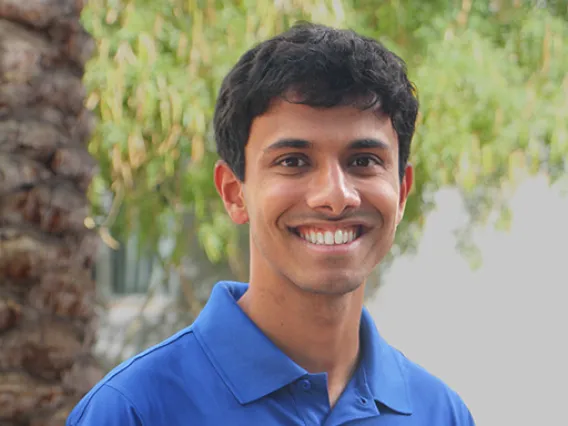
292,143
289,143
369,143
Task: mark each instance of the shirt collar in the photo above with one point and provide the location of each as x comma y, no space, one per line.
248,362
384,373
253,367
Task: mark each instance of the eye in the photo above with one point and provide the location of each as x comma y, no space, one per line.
293,162
365,161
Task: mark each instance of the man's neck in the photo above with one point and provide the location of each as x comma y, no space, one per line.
319,332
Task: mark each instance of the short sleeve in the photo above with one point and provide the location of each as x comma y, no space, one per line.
467,418
463,415
107,406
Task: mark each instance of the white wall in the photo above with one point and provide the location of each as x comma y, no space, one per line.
498,336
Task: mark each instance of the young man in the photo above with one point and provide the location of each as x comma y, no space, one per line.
313,128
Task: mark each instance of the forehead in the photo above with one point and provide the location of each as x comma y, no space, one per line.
330,126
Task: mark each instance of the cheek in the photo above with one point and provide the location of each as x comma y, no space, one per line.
274,198
385,199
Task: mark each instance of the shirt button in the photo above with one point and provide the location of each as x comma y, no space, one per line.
363,400
306,385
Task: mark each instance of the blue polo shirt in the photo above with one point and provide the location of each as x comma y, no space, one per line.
222,370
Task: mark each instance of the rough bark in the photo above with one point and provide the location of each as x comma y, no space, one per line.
46,253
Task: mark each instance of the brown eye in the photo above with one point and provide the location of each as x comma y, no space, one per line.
293,162
364,161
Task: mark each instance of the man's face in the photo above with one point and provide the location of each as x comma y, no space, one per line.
322,195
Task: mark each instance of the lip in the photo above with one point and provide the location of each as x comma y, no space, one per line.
365,226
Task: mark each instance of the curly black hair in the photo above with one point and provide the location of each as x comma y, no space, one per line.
325,67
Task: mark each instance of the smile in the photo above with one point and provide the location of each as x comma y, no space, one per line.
328,237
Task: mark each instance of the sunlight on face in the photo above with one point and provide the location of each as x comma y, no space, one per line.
322,194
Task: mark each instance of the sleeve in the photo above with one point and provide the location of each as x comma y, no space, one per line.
467,418
107,406
463,415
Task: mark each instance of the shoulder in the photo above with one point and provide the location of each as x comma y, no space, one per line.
105,405
431,397
129,392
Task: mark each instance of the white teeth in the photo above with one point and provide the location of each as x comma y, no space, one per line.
330,238
338,237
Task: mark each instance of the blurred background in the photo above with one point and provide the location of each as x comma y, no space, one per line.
475,287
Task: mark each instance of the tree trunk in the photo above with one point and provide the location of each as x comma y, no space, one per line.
46,252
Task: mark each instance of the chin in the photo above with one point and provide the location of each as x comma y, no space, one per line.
335,285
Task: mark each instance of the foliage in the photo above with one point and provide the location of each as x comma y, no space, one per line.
493,88
153,85
490,75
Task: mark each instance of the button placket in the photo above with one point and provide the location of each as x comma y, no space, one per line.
311,402
306,385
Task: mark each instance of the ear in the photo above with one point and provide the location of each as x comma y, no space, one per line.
230,188
405,187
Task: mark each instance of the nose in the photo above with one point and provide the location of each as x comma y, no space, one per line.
331,191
